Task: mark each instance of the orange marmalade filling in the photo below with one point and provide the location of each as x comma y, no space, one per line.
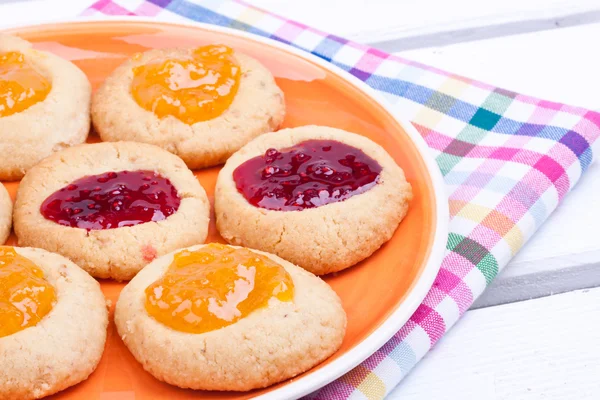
214,287
25,296
21,86
193,89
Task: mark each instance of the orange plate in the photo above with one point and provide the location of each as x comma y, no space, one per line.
379,294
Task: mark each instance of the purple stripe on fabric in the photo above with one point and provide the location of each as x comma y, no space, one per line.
161,3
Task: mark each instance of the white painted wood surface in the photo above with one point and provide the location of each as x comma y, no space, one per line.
407,24
537,349
544,349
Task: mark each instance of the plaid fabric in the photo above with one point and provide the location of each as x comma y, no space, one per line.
507,159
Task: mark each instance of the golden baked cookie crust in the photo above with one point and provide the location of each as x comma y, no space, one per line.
258,107
65,347
323,239
110,253
61,120
6,208
269,345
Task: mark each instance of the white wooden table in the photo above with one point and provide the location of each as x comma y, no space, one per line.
535,332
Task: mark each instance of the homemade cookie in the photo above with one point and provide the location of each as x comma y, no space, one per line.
219,317
202,104
44,106
111,207
53,321
6,207
319,197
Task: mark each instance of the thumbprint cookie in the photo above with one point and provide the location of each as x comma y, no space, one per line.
218,317
53,320
6,209
111,207
44,106
319,197
202,104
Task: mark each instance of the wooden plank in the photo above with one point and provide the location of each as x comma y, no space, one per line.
394,25
559,65
538,349
565,253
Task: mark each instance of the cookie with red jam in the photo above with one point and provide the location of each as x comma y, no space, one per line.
320,197
111,207
201,103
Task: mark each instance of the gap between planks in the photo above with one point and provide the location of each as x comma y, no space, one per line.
539,349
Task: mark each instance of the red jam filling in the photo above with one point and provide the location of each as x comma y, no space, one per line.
112,200
310,174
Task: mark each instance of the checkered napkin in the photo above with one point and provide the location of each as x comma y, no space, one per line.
507,160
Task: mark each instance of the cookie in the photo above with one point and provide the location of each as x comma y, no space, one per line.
319,197
60,343
44,98
223,342
6,208
111,207
210,104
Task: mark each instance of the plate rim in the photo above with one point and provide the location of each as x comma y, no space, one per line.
311,382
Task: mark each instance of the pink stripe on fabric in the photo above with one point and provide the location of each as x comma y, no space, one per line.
526,99
148,9
434,297
589,124
503,153
562,152
550,105
490,239
431,321
462,296
512,208
542,116
405,330
289,31
517,141
457,264
111,8
594,118
490,166
88,12
435,139
446,281
465,193
533,182
369,62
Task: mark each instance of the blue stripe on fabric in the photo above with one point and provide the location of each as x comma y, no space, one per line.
404,356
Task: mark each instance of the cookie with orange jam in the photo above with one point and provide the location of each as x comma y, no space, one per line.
320,197
201,103
219,317
111,207
53,321
44,106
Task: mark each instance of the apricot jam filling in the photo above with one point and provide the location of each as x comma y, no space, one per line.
214,287
21,86
112,200
310,174
25,296
198,88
